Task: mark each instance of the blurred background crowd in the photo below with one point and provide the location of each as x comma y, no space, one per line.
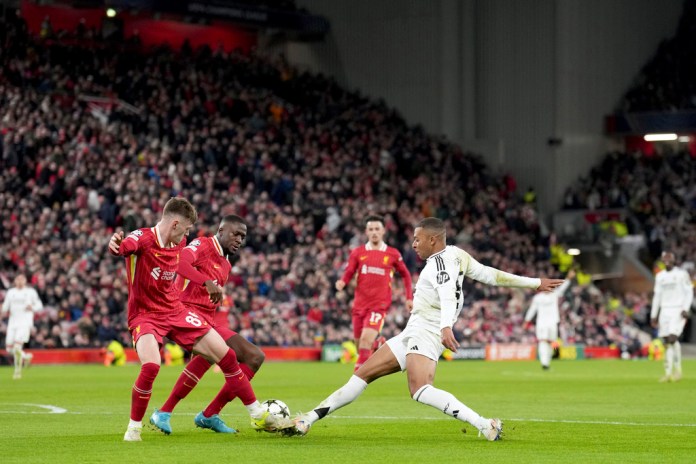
304,161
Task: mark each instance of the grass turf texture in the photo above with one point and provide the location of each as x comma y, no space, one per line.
583,411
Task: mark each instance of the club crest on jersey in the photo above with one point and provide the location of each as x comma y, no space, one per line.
442,277
386,259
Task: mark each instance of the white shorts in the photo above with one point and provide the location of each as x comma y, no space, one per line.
547,332
416,341
17,334
670,324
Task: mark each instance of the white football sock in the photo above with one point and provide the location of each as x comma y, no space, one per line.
544,353
138,424
255,409
447,403
341,397
669,359
677,356
17,359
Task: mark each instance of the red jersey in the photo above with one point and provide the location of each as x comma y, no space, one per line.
375,271
203,259
151,269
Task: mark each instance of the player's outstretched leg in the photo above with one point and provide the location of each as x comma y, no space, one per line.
341,397
491,429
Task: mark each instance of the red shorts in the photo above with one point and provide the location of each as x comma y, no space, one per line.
156,324
185,327
218,320
369,319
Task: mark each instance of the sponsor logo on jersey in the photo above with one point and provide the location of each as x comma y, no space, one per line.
442,277
158,274
372,270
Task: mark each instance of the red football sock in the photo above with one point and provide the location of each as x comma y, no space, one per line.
236,385
186,382
247,371
362,357
142,390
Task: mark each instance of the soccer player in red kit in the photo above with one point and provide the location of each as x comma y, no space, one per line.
205,263
375,263
155,311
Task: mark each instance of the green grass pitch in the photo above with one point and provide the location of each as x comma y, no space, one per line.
578,412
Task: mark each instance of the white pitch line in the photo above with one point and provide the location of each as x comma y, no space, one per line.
58,410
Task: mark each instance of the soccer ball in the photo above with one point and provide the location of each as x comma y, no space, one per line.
276,408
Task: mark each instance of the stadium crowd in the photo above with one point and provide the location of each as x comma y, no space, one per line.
303,160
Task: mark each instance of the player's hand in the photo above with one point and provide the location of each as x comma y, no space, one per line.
548,285
571,274
653,323
527,325
685,314
409,305
215,292
115,242
340,285
448,339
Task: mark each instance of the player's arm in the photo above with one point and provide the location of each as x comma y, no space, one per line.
445,282
655,308
531,312
492,276
36,304
6,303
120,246
349,272
188,263
408,282
688,295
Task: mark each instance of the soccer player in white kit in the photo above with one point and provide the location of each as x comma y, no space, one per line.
671,304
437,303
21,302
545,307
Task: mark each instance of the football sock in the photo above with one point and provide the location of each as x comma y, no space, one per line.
544,350
236,383
186,382
133,423
247,371
142,390
363,355
447,403
17,359
677,356
669,358
341,397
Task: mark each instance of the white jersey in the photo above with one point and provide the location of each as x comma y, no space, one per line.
545,306
438,297
673,292
16,302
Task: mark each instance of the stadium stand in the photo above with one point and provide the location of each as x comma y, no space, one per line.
94,139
